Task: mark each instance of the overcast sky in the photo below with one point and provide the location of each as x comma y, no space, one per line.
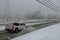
23,6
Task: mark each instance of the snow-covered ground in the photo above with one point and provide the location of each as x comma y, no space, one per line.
29,24
26,21
49,33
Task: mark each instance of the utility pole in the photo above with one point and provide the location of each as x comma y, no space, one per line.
7,10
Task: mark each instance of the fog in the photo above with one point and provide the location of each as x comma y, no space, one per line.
23,8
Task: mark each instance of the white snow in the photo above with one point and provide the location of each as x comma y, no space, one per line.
49,33
2,27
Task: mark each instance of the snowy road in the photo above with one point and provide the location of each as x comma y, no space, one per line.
50,33
24,31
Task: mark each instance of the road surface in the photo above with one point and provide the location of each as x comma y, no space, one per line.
34,27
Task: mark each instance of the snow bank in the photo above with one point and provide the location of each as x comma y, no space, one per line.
2,27
27,21
29,24
48,33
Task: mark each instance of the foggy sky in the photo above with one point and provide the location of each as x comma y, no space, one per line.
21,7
